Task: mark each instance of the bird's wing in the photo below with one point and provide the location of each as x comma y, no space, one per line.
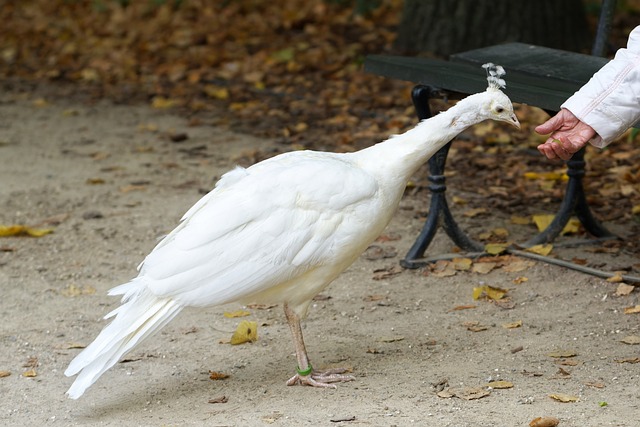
263,226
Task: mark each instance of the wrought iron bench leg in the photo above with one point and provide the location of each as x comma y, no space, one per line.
574,201
439,212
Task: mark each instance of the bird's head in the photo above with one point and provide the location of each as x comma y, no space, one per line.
495,104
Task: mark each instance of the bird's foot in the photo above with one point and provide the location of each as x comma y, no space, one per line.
324,378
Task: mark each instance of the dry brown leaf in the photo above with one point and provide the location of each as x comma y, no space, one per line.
564,398
386,273
632,310
623,290
616,278
462,264
562,354
518,265
470,393
474,326
544,422
629,360
512,325
595,384
502,384
247,331
218,375
4,374
390,339
483,267
520,279
471,213
219,399
520,220
631,340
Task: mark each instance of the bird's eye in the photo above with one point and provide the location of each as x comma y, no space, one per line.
499,110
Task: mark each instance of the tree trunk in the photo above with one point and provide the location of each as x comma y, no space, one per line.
443,27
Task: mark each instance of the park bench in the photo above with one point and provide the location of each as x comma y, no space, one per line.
537,76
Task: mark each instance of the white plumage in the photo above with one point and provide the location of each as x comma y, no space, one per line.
277,232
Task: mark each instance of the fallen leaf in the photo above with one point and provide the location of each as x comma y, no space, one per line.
543,250
30,373
562,353
623,290
564,398
475,326
247,331
23,230
489,292
483,267
4,374
629,360
518,265
237,313
499,384
220,399
471,213
216,376
391,339
495,248
596,384
343,419
632,310
520,220
443,269
512,325
132,187
631,340
463,307
616,278
161,102
519,280
544,422
386,273
74,291
469,393
216,92
462,264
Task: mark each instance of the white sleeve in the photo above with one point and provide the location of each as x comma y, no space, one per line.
610,101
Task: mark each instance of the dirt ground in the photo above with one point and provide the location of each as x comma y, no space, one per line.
111,179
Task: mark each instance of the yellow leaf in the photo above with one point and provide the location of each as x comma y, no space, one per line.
237,313
635,210
573,226
541,249
161,102
495,248
632,310
500,232
520,279
216,92
564,398
489,292
547,176
471,213
4,374
499,384
542,221
30,373
616,278
462,264
483,267
74,291
520,220
246,331
23,230
512,325
40,102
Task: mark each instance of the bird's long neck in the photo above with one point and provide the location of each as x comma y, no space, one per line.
402,155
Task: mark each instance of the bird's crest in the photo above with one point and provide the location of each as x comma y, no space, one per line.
494,76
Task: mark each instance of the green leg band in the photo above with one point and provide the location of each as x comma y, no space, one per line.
305,372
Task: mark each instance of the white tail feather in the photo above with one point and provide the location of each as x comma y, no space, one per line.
139,318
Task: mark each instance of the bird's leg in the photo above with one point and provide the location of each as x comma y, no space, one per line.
306,375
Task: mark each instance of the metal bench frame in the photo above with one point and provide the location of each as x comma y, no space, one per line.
537,76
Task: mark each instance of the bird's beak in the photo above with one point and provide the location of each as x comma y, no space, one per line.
514,121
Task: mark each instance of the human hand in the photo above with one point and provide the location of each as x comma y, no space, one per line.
568,135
